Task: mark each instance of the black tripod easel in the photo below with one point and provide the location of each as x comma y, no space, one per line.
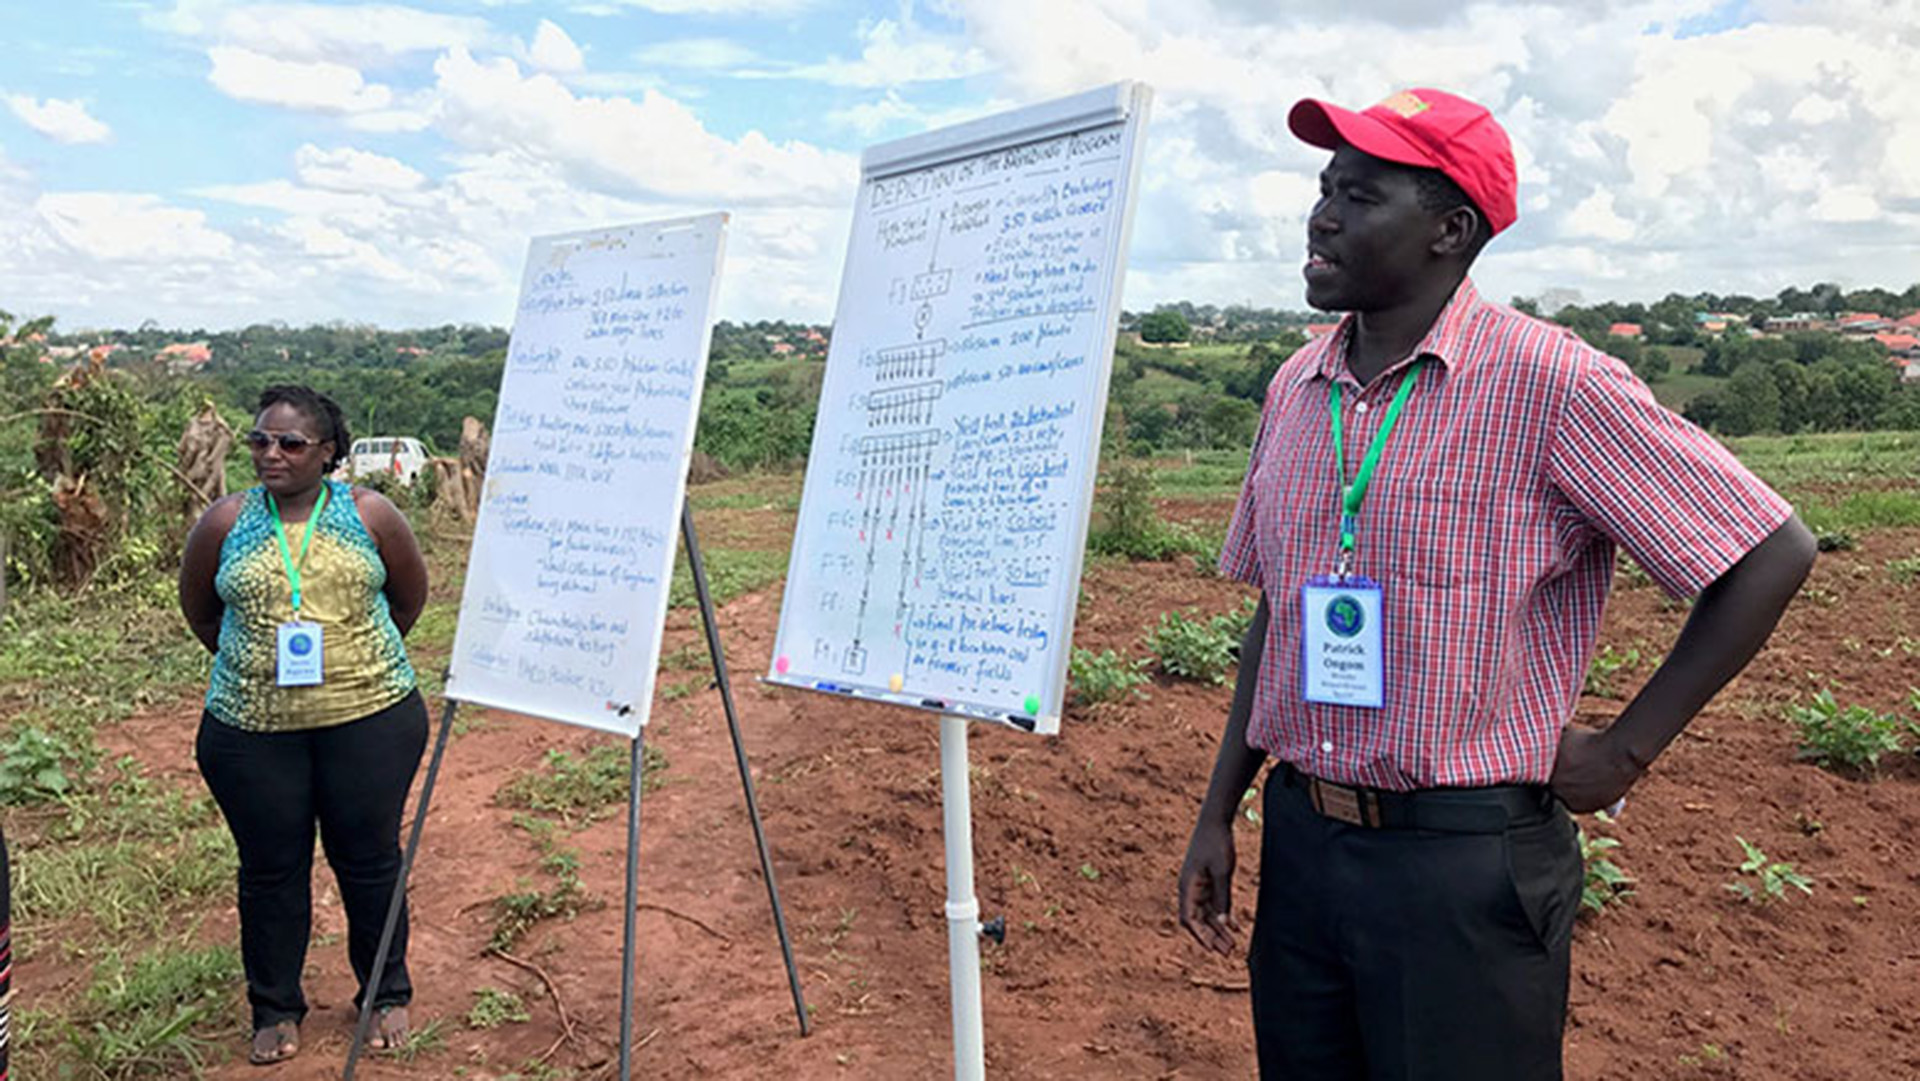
627,958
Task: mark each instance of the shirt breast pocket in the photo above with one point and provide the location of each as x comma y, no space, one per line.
1433,534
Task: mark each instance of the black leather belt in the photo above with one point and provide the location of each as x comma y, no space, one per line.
1454,810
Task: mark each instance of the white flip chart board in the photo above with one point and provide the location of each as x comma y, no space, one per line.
572,555
937,558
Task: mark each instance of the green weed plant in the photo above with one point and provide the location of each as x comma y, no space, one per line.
1603,671
1771,877
493,1007
1604,883
1105,676
1193,648
1850,739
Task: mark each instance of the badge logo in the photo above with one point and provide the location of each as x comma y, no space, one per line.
1345,617
300,645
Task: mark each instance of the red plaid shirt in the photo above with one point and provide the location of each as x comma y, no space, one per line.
1522,457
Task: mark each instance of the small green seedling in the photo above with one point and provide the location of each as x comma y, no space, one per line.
1772,876
1605,883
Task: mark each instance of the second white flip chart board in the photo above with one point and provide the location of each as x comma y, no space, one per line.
937,557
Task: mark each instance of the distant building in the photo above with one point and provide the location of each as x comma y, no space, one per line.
1863,323
1784,324
781,349
1900,345
1320,330
1624,330
184,356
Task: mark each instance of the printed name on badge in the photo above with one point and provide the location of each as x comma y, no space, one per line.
1342,659
299,654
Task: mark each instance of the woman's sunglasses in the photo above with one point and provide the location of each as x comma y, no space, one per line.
290,442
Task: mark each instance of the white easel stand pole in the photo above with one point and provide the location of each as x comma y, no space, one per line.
963,911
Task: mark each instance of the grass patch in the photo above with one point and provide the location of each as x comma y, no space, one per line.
731,572
1791,461
159,1015
1859,512
580,788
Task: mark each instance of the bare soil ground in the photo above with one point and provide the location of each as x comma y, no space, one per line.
1078,840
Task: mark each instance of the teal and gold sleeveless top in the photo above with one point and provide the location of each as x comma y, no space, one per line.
365,667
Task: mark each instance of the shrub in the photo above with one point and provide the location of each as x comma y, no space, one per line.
1772,877
1904,571
1104,676
1193,648
1849,739
1131,525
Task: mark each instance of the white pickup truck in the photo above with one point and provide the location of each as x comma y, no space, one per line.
397,456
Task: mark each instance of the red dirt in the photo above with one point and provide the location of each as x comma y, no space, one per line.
1078,840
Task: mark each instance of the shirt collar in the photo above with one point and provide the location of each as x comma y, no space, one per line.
1446,341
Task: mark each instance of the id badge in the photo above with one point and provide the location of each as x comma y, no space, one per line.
1342,663
299,654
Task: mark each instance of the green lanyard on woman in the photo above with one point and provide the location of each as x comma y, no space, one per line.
286,552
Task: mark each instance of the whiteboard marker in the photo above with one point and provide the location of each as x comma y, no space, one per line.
834,687
933,703
1023,723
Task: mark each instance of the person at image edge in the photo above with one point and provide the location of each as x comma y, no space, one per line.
1431,513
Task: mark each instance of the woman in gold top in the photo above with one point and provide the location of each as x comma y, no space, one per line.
302,588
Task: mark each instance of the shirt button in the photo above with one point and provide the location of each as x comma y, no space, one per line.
1360,407
1326,746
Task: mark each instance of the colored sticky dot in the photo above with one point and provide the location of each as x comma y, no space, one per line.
896,682
1033,704
782,665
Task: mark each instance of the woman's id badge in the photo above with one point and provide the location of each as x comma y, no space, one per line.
1340,642
299,654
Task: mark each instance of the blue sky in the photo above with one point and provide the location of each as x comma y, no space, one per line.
214,162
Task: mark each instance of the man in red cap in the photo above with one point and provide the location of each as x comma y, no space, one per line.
1431,512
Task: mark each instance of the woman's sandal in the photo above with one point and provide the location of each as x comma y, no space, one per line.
390,1028
277,1042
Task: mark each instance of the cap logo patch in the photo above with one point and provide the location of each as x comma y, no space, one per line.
1405,104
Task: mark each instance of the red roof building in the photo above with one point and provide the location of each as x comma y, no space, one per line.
1320,330
1898,344
1624,330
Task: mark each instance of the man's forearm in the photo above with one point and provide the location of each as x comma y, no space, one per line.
1237,764
1730,622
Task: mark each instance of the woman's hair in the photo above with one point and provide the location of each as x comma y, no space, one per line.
322,410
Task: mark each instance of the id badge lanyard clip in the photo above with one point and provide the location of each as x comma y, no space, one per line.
1353,495
286,552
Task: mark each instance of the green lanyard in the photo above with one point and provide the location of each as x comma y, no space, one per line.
1352,495
286,553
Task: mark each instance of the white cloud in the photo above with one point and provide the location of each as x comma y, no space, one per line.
1596,218
704,54
892,55
702,7
350,170
651,146
319,85
553,50
60,120
131,227
354,35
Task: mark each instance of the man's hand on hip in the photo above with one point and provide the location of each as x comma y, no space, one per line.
1590,770
1206,886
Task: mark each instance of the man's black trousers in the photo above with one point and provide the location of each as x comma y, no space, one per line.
273,786
1412,954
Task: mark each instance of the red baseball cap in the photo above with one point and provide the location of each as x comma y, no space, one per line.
1428,128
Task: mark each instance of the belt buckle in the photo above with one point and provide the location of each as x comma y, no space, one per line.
1340,802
